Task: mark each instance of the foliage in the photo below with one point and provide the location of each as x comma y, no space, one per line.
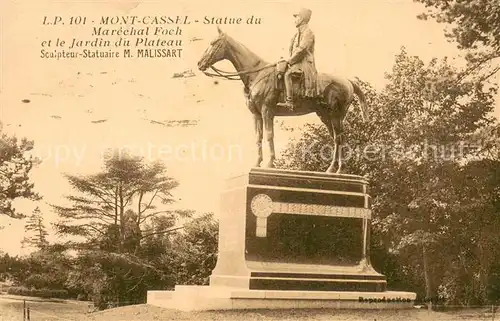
474,22
46,268
118,278
474,25
196,250
39,293
15,168
113,206
428,173
34,226
123,214
163,260
9,266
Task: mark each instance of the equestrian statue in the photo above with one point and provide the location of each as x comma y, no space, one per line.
290,87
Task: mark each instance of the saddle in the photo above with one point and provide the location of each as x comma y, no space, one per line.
297,81
298,84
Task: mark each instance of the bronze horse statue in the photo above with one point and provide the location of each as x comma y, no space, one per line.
262,95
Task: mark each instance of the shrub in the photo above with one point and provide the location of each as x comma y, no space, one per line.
82,297
36,281
39,293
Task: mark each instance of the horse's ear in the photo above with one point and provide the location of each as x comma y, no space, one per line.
219,30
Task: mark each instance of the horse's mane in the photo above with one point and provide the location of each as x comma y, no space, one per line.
266,77
244,49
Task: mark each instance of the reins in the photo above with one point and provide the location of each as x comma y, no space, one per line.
230,75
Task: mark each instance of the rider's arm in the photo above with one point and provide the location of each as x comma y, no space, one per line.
290,49
306,42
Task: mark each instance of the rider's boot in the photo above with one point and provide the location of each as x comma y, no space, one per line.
288,104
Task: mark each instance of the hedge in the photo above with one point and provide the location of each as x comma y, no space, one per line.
39,293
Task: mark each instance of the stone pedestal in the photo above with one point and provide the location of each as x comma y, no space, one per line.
291,239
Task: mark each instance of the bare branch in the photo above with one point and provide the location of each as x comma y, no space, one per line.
150,202
161,232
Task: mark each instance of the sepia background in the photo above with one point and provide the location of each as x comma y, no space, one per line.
77,108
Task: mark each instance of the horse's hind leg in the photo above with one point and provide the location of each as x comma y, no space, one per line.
336,152
268,118
328,123
338,141
258,136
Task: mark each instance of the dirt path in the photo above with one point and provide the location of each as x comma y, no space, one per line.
146,312
11,309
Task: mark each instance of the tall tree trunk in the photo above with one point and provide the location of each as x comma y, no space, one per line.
116,205
483,271
122,218
41,237
138,222
139,207
428,284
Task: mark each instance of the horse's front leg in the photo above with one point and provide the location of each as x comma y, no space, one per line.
339,133
258,136
335,153
268,118
336,132
339,152
328,123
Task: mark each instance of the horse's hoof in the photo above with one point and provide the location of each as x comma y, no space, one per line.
270,165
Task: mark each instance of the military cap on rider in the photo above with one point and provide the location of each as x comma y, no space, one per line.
304,14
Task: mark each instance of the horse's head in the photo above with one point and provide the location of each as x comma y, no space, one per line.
215,52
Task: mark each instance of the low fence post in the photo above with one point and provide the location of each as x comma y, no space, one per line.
26,311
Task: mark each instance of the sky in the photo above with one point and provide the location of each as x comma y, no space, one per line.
79,107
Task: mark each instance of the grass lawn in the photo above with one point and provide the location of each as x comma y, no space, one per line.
11,310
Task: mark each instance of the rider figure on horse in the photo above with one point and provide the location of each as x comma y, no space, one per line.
301,60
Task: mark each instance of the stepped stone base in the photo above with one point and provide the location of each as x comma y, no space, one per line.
203,298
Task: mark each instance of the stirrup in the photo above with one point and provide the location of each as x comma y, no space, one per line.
288,104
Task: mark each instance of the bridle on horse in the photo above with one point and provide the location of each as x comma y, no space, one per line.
230,75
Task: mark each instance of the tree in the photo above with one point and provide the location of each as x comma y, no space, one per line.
475,22
46,268
123,197
15,167
9,266
477,206
423,126
121,213
195,249
488,139
36,229
476,26
112,279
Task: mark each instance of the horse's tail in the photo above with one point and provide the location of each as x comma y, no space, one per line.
362,100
